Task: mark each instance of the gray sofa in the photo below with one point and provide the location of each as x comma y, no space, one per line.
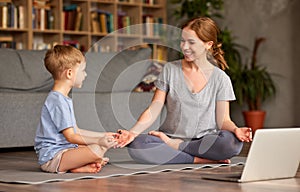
104,103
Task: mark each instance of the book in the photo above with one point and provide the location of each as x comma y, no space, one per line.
158,29
7,42
71,20
69,16
21,17
78,19
110,22
95,22
4,16
15,17
42,18
6,38
103,22
121,14
126,24
49,19
65,19
148,25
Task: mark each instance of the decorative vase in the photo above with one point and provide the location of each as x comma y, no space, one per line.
254,119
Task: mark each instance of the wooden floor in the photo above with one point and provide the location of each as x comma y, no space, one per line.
188,180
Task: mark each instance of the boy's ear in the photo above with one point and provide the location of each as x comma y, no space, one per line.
69,73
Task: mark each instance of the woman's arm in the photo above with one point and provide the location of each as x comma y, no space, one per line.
89,133
151,113
224,122
145,120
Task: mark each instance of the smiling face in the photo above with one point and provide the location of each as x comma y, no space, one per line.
192,46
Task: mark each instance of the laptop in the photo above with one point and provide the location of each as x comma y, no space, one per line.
274,154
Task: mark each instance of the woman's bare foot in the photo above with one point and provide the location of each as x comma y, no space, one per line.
174,143
198,160
89,168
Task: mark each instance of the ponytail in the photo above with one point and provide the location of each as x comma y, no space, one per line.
218,54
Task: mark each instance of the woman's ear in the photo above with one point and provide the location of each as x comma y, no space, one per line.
209,45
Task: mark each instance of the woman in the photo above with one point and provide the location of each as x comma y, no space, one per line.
197,128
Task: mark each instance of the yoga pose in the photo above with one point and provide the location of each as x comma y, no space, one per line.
60,145
196,92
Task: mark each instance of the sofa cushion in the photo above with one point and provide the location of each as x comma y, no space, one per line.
115,72
23,70
111,111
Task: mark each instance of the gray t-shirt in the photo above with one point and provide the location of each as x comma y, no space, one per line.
192,115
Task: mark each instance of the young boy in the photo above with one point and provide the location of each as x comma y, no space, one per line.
60,145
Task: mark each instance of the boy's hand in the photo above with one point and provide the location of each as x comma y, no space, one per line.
108,141
114,135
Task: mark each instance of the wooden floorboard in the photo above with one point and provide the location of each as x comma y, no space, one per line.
187,180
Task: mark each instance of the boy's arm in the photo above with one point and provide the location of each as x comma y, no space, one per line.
77,138
87,133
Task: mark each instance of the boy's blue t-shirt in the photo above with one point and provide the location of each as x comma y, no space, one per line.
57,114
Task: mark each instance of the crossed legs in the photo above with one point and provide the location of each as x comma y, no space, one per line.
158,148
175,144
84,159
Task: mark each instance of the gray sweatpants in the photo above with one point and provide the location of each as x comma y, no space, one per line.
150,149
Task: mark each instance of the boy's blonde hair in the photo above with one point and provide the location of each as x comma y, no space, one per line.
62,57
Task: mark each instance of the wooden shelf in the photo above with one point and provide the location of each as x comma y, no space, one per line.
61,18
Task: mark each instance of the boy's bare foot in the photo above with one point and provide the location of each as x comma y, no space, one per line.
174,143
89,168
198,160
104,161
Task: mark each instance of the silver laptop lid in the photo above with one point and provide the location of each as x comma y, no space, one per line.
274,154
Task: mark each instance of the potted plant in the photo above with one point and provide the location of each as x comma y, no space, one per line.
194,8
252,84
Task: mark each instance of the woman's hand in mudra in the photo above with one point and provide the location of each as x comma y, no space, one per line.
243,134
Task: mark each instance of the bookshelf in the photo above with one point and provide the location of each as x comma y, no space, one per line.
40,24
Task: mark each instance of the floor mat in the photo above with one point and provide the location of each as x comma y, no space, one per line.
120,165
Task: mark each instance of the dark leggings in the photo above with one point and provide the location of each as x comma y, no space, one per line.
150,149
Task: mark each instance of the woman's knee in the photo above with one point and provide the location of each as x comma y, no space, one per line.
137,142
143,147
142,141
136,148
230,144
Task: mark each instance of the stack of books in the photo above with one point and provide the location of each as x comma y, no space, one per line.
73,17
42,15
11,16
102,21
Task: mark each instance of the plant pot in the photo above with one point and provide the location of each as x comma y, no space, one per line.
254,119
